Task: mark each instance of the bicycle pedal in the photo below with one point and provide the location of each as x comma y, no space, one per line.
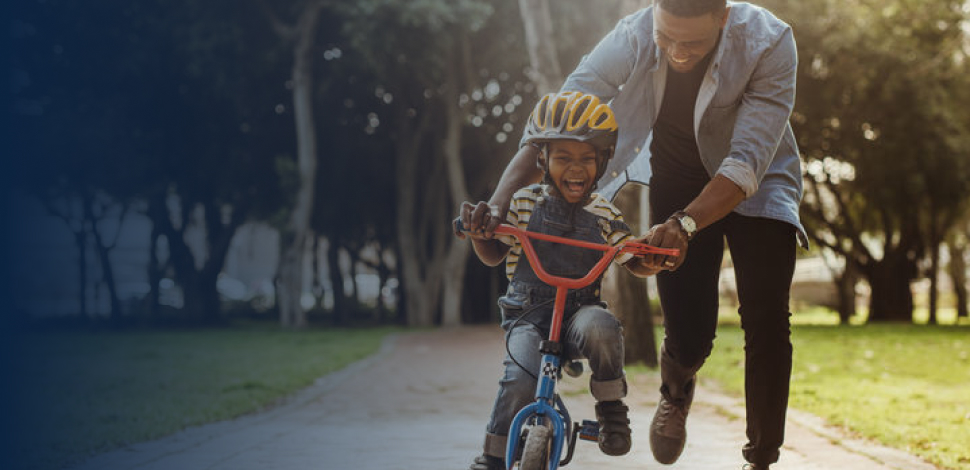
589,430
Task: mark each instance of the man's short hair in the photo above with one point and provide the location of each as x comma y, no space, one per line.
692,8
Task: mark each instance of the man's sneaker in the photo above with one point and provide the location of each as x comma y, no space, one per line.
614,424
667,431
487,462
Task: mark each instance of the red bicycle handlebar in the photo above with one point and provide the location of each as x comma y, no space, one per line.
610,252
563,284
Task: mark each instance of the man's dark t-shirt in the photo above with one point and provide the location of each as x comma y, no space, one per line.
675,159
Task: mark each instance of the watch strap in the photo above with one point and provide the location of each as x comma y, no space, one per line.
679,216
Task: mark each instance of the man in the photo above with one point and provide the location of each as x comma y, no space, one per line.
703,90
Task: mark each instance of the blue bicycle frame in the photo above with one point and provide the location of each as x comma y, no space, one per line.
542,409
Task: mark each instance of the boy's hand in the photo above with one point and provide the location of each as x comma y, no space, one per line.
480,220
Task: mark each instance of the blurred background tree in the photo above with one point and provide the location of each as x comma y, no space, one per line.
195,119
885,145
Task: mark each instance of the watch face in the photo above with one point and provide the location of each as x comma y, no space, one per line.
688,223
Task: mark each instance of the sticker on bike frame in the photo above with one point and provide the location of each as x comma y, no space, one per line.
548,370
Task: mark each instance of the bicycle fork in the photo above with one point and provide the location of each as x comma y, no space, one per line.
543,408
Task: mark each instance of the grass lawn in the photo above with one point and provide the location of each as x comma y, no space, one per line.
84,393
906,386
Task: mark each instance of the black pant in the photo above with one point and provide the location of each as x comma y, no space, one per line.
763,252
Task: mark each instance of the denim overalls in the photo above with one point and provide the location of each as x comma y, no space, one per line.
588,330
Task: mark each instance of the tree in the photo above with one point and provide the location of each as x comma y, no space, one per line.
298,234
869,124
68,108
627,295
631,299
428,79
540,41
156,106
957,269
207,128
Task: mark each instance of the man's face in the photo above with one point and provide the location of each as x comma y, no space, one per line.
686,40
572,168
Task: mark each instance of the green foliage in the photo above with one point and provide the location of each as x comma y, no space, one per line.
904,386
884,133
84,393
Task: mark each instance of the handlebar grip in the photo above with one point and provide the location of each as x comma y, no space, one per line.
458,226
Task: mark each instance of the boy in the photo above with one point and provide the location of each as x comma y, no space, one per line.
576,135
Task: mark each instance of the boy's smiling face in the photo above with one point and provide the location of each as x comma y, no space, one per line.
572,168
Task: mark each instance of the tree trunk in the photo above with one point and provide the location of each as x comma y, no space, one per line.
424,235
891,297
383,273
104,258
934,282
354,287
458,252
958,275
108,277
336,284
543,59
81,243
201,298
420,253
316,284
291,273
628,296
154,275
78,224
845,285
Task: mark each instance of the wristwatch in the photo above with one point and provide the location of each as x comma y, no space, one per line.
687,223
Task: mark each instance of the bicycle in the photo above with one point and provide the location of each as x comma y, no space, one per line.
550,428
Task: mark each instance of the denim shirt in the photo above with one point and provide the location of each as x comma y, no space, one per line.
740,117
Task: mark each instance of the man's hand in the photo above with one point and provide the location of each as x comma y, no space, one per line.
665,235
639,267
480,220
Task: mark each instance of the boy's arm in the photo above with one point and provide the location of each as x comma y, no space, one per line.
490,251
617,232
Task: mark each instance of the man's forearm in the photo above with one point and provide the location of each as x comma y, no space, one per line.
717,200
520,172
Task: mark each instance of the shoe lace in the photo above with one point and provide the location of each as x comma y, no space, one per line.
672,414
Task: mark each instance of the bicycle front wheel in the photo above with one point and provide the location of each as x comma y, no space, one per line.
535,455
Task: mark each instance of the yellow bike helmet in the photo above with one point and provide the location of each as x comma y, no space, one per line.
572,115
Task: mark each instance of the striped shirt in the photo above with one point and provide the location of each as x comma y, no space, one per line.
525,200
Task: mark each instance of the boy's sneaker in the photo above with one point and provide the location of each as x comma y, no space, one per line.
667,431
754,466
487,462
614,424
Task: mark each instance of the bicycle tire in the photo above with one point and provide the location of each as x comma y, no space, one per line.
535,455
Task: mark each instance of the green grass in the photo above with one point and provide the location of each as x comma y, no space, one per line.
84,393
906,386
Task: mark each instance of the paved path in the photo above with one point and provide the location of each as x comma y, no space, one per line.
423,402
